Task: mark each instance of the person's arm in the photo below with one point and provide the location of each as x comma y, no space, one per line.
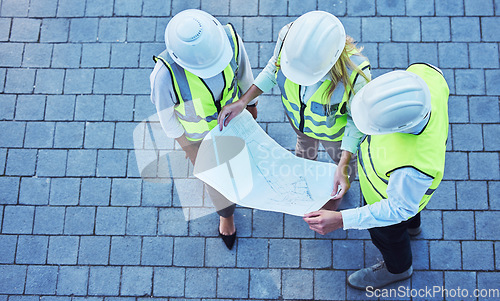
406,188
164,99
264,82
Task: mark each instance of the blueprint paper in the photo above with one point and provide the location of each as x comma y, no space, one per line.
251,169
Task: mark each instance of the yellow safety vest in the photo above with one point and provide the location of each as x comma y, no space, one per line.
312,118
380,155
196,107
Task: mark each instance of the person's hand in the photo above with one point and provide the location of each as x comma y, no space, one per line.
228,112
324,221
340,179
253,111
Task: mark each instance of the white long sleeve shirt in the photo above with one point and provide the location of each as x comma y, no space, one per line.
163,95
266,80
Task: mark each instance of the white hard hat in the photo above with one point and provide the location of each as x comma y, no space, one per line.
393,102
198,43
312,46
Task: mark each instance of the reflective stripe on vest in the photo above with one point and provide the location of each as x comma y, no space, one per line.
380,155
196,107
311,117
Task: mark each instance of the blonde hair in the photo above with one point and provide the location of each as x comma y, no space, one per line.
339,72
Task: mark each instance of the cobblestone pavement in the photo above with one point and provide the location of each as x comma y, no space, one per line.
77,221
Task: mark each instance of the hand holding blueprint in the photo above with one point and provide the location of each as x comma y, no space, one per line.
249,168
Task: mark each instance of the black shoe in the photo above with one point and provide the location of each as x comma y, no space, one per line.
228,239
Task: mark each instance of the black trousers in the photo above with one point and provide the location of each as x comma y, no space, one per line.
394,244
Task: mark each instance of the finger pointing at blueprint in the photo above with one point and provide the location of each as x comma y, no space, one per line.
249,168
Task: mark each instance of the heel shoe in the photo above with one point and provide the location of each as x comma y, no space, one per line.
228,239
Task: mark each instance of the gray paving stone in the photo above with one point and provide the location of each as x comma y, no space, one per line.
83,30
95,192
284,253
271,8
25,30
79,220
11,54
478,255
49,81
42,8
453,55
420,7
480,166
78,81
169,281
7,106
108,81
5,24
119,108
18,219
110,220
450,8
12,8
89,107
315,254
20,81
180,5
161,8
232,283
488,26
432,224
104,281
3,160
127,8
483,55
456,166
143,108
51,162
360,8
157,251
69,135
60,107
157,194
297,284
150,49
63,250
125,250
298,8
49,220
72,280
54,30
95,250
431,278
463,280
99,8
111,163
484,110
242,8
252,252
189,251
55,298
485,222
435,29
64,191
329,285
265,283
187,192
202,222
494,195
295,227
112,29
132,168
12,134
405,29
71,8
467,137
81,163
458,109
96,55
465,29
31,249
445,255
142,221
8,250
390,8
21,162
136,32
200,283
283,134
454,226
217,255
257,29
99,134
393,55
421,255
126,192
12,279
347,254
267,224
492,82
125,55
66,55
171,221
376,29
445,197
41,280
472,195
136,81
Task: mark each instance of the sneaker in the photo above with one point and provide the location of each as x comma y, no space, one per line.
414,231
376,276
